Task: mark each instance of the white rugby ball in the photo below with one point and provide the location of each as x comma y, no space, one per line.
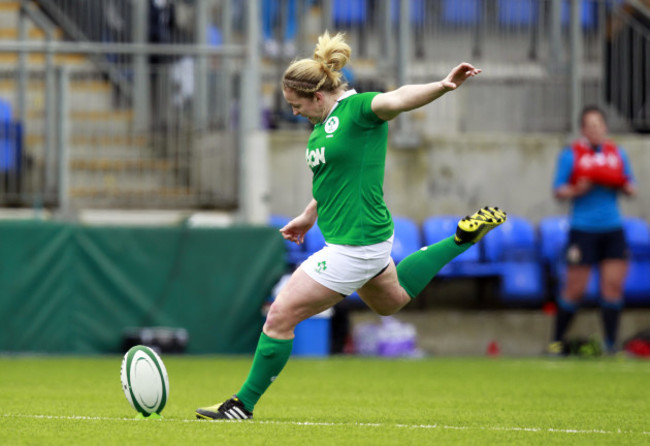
144,380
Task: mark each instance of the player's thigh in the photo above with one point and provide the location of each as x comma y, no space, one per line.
383,294
301,298
577,278
581,255
612,277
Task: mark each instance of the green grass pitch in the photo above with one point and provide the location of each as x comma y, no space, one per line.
348,401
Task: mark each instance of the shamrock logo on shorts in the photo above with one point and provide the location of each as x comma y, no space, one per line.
322,266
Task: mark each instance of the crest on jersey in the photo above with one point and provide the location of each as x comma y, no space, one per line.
331,124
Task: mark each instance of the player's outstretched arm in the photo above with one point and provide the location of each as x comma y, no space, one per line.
409,97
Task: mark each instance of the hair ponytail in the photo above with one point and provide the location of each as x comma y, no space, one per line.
323,71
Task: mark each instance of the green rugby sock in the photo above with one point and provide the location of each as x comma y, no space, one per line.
270,357
417,270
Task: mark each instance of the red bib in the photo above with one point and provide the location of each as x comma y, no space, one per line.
604,167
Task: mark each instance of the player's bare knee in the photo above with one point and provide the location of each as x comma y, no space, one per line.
279,320
386,309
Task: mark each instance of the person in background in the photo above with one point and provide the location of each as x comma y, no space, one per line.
592,173
346,153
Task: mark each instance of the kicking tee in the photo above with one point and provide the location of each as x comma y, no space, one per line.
347,156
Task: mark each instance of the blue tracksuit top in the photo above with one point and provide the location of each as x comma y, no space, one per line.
597,210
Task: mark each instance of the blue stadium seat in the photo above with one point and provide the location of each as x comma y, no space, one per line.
407,238
461,12
295,252
418,11
214,35
314,240
349,12
588,16
516,239
467,264
512,249
637,283
522,283
272,12
5,110
553,234
10,139
518,12
637,234
439,227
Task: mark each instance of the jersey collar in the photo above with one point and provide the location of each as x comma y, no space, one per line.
345,95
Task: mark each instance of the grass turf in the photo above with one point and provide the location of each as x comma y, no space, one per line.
356,401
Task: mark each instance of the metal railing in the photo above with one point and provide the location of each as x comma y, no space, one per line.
116,104
130,124
542,59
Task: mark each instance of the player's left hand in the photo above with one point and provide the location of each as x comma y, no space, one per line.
296,229
459,74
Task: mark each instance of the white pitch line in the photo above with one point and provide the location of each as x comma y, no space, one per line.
325,424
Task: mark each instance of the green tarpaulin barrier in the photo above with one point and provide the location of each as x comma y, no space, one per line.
67,288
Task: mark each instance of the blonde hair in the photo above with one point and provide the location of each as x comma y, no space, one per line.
323,71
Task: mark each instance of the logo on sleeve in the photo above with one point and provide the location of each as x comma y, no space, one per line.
331,124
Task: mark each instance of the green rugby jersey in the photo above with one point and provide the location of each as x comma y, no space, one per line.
347,155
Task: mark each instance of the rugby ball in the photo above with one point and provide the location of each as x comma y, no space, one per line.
144,380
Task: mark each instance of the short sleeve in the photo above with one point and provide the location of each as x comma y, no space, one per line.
362,104
564,168
627,166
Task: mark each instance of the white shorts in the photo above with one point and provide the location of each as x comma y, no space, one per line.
346,268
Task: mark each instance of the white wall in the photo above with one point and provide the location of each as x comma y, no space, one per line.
458,174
